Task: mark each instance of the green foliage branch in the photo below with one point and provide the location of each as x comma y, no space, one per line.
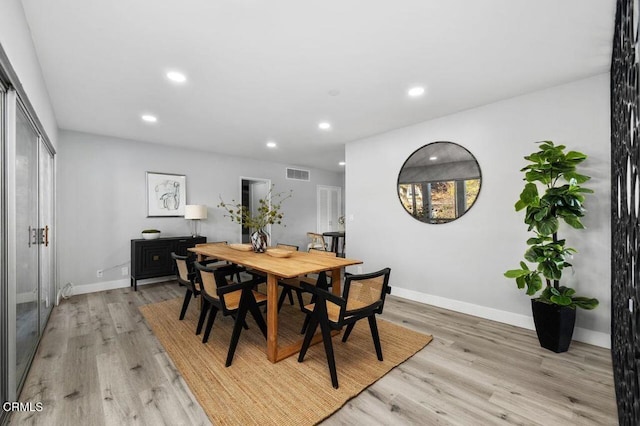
269,211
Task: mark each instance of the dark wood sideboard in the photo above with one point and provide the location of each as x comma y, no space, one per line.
152,258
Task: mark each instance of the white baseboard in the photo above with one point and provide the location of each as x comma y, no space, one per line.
112,285
591,337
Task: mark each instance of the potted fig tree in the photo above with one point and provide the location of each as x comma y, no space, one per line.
554,309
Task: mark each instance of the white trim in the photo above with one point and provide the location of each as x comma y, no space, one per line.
584,335
112,285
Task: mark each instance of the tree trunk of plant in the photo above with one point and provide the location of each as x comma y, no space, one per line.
556,283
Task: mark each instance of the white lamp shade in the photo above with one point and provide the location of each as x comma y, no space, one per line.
195,211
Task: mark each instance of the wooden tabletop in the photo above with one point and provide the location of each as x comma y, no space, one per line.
299,263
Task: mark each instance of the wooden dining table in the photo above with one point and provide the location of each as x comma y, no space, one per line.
297,264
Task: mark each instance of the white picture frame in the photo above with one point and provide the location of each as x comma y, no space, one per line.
166,194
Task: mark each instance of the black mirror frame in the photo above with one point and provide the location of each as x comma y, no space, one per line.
412,154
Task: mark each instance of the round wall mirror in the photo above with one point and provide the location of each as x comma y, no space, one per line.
439,182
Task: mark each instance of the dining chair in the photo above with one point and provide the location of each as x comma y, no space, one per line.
220,294
293,284
316,241
186,276
363,297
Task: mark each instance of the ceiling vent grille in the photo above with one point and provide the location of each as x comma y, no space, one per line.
298,174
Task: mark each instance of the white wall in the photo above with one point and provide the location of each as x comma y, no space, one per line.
102,200
460,265
15,38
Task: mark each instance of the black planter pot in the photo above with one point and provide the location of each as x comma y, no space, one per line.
554,325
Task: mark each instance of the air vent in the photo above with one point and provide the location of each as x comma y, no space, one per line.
298,174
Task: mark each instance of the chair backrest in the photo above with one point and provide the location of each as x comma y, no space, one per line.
289,247
367,290
183,266
316,241
208,282
322,252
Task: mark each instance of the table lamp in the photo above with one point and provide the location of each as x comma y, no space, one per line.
195,212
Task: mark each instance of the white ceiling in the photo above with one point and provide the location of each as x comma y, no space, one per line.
261,70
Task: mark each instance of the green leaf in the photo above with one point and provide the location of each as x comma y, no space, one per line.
541,214
574,222
515,273
585,302
520,205
575,155
529,195
534,284
561,300
548,226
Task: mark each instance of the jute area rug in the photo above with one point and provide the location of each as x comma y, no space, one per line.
253,391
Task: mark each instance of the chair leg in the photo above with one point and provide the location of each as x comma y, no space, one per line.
185,304
237,327
299,296
283,296
328,348
203,315
376,337
290,296
306,319
212,318
257,316
311,330
347,332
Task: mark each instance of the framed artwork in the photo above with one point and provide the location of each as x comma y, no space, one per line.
166,194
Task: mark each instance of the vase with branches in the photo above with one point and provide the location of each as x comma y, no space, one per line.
268,212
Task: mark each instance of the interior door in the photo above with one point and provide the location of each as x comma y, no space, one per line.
329,205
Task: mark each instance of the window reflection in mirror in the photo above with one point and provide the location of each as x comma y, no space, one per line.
439,182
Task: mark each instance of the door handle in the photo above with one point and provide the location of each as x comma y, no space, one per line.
45,235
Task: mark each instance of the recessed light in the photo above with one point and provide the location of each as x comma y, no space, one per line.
176,76
150,118
414,92
342,163
271,144
324,125
433,158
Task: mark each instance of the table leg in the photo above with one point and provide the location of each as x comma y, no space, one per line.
336,281
272,318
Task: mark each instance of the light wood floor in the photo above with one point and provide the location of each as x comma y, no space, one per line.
99,364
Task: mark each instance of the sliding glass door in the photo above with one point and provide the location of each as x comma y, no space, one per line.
26,241
28,290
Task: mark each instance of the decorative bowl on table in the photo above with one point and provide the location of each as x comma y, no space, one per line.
279,252
150,234
241,247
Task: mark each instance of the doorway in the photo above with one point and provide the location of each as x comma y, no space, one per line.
329,205
253,189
